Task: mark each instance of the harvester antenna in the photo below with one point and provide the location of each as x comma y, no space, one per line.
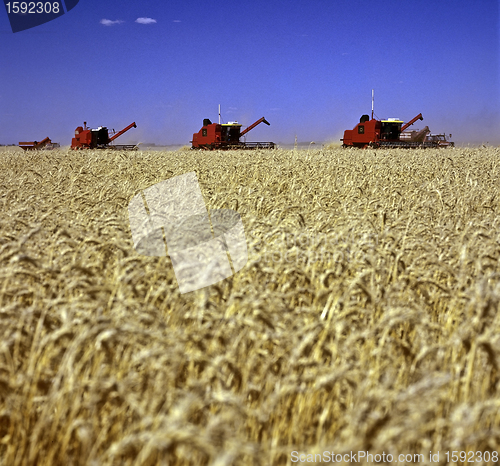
219,114
373,95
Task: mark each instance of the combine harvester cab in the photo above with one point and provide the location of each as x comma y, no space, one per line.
88,138
225,136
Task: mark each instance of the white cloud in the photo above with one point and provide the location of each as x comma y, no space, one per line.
108,22
145,20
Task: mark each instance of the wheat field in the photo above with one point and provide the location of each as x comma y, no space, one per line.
366,319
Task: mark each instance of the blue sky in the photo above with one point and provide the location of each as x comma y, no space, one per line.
308,66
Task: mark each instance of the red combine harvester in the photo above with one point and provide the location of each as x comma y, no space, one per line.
387,133
45,144
226,136
391,133
87,138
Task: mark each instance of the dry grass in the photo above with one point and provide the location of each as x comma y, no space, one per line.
367,317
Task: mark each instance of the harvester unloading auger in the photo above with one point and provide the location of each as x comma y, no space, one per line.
227,136
88,138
